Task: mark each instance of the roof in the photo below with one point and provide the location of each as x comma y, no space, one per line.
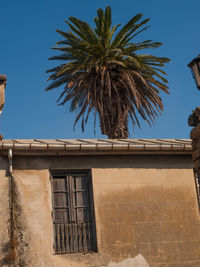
96,146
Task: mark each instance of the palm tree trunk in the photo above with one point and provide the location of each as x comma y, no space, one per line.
116,128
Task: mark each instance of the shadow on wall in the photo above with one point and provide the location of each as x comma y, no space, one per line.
103,161
160,223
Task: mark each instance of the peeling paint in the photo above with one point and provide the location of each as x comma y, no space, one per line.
15,250
138,261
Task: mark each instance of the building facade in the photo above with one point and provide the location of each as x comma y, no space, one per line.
98,203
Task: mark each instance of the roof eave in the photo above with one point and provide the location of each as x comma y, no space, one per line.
83,147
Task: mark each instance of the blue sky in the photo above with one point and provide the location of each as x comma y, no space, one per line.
28,31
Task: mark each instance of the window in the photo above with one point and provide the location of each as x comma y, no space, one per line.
73,216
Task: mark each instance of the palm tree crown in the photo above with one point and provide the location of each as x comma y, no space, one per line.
103,72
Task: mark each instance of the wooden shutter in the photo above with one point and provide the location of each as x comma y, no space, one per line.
73,217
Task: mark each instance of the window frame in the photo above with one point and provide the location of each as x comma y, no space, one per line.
90,229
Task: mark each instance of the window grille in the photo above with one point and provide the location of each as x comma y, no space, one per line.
73,216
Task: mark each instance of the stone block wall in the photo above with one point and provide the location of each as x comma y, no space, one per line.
194,121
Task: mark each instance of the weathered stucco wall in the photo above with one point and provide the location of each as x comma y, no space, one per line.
148,211
143,205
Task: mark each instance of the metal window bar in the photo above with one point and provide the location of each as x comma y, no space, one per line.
73,218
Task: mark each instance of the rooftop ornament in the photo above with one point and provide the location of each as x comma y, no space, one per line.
3,80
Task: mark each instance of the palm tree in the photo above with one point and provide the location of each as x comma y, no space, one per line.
103,72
